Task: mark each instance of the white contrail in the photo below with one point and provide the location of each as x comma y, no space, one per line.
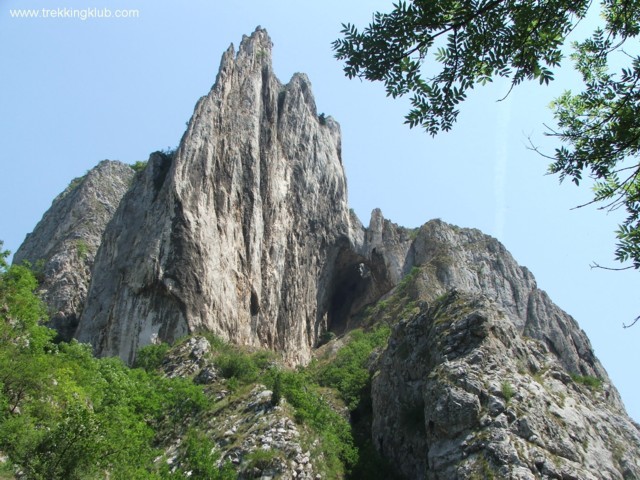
500,167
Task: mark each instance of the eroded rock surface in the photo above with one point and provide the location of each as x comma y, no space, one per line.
243,425
459,393
63,245
237,232
468,260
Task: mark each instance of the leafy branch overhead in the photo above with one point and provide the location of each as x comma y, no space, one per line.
437,51
471,42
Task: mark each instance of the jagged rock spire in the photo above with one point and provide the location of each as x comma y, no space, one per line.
235,232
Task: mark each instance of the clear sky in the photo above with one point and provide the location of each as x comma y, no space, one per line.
74,92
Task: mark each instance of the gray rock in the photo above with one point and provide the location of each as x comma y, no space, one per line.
453,258
63,245
191,359
238,232
427,411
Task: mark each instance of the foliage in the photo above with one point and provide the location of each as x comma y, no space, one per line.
72,185
326,337
437,51
262,459
599,128
67,415
407,280
276,394
507,390
150,357
311,408
82,248
235,364
348,372
139,166
201,459
588,380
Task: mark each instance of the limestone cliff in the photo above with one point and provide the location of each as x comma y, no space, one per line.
63,245
238,231
245,231
472,398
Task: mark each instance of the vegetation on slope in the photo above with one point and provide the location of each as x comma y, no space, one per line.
67,415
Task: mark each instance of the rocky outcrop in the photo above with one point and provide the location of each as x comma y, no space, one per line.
468,260
459,393
259,439
244,231
238,232
63,245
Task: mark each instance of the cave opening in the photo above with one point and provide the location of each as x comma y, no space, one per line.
351,289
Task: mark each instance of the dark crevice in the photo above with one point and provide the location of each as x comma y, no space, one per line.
353,285
254,304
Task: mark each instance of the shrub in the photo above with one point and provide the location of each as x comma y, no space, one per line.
588,380
261,459
201,458
507,391
276,394
150,357
326,337
312,409
83,249
349,373
139,166
237,365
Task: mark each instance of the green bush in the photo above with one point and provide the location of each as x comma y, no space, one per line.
139,166
312,409
200,458
150,357
83,249
237,365
507,391
276,394
588,380
261,459
348,372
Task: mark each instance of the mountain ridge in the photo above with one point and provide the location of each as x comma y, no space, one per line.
245,232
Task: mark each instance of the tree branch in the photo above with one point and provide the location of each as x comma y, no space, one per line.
613,269
632,323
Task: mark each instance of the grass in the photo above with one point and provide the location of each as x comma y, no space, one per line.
592,382
507,391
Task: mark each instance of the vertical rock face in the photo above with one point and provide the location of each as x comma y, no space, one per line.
63,245
245,231
238,231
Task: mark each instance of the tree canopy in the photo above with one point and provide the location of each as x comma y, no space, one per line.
437,51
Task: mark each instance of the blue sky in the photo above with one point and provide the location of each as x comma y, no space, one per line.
74,92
